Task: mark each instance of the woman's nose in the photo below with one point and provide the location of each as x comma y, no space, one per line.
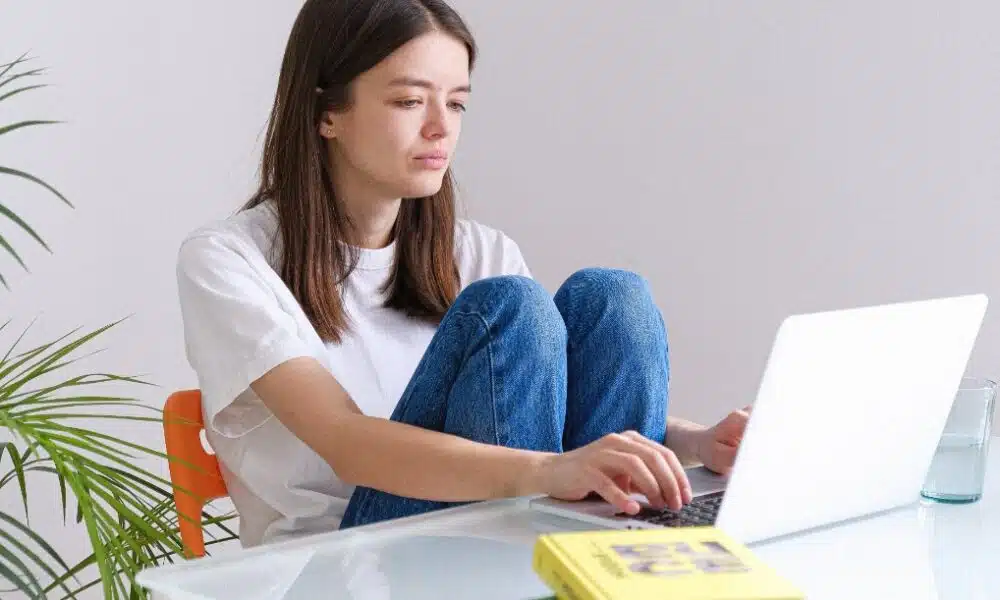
436,124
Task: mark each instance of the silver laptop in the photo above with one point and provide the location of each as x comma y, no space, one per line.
850,409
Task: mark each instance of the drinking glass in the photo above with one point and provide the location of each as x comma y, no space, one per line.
956,474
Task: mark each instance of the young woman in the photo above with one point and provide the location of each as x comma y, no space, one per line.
363,354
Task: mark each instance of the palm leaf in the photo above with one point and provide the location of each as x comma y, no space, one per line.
10,351
23,225
45,365
34,537
76,450
23,124
87,511
10,250
16,76
81,401
11,366
156,557
38,397
18,461
12,542
8,66
13,569
127,511
42,416
104,445
9,76
138,520
37,465
33,179
20,90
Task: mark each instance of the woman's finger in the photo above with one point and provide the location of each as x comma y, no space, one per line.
735,426
680,476
606,487
723,458
673,480
625,483
635,467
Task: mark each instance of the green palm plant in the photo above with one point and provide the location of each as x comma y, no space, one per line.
46,410
9,77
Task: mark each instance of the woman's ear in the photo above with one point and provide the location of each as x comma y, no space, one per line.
327,125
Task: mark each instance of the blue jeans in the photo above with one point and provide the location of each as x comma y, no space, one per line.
513,366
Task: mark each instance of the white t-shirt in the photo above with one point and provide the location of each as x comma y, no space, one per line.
241,320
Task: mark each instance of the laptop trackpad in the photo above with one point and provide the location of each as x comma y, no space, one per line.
704,481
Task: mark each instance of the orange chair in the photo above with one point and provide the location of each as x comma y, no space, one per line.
194,473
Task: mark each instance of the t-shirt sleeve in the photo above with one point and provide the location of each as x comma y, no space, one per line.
512,259
235,330
484,251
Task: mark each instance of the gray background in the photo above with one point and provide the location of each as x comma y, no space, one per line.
751,159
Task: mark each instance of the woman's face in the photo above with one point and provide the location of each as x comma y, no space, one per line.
397,137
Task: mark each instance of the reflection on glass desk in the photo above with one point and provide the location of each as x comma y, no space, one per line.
924,551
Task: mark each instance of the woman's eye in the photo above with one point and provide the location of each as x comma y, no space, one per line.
458,106
408,103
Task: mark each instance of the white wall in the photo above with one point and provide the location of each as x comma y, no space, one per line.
751,159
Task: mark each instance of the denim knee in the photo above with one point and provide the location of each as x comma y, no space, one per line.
609,282
517,302
517,289
622,294
617,287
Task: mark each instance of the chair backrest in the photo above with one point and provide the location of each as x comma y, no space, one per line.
194,473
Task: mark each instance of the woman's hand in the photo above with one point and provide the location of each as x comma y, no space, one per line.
614,467
717,446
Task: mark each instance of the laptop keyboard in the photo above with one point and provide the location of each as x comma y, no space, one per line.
701,511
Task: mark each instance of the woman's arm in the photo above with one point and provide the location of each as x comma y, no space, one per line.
386,455
410,461
683,437
714,447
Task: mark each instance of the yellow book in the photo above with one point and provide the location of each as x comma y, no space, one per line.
682,563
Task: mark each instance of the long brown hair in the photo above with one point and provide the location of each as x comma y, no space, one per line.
331,43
